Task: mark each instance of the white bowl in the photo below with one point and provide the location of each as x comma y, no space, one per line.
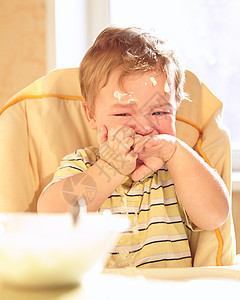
47,250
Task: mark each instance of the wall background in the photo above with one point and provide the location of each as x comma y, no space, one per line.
22,45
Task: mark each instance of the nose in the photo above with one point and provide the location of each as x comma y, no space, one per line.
142,125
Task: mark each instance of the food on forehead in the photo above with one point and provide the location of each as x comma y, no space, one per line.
127,98
123,97
166,87
153,80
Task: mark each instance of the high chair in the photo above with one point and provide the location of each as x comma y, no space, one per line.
45,121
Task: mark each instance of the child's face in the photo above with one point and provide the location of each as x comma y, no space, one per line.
147,104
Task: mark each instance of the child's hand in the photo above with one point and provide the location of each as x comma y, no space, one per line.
116,148
156,152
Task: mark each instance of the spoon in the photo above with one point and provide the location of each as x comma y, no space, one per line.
78,210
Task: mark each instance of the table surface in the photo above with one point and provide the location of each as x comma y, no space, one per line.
131,283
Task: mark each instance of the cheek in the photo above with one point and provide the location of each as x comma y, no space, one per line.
167,126
111,122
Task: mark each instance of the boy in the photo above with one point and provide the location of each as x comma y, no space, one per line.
132,84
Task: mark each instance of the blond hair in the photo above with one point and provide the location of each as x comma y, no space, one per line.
132,49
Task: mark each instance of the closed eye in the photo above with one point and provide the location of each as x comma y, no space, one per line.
122,115
161,113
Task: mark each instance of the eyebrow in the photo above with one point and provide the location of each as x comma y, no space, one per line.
167,104
119,105
132,104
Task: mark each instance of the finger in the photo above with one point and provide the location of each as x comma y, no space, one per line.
102,135
153,141
141,172
118,132
126,144
121,138
131,157
155,132
140,142
112,132
124,132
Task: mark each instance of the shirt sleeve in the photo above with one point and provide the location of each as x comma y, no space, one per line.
189,222
75,163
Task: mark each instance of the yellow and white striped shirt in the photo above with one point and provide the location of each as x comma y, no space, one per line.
159,232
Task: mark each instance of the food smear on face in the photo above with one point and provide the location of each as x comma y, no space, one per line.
166,87
153,80
123,97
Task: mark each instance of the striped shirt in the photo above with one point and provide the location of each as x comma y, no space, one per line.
160,229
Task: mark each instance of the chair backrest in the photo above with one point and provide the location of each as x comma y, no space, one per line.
45,121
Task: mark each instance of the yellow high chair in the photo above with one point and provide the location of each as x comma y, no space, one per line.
45,121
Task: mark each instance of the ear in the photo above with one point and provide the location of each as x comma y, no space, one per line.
90,118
